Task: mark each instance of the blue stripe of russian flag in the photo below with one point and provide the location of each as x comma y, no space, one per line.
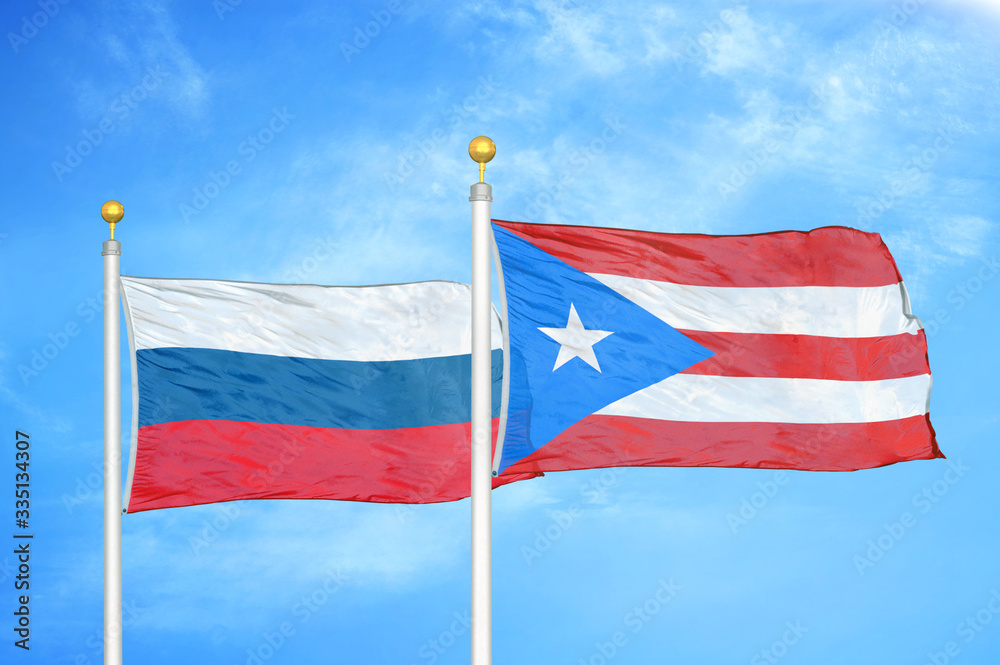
180,384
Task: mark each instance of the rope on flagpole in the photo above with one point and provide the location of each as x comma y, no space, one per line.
481,149
112,212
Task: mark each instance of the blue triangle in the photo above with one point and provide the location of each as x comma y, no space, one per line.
544,400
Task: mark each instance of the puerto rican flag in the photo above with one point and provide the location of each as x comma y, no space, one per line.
791,350
270,391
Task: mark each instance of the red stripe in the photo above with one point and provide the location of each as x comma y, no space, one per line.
607,441
809,357
200,461
830,256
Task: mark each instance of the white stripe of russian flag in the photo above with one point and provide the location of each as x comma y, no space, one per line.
363,323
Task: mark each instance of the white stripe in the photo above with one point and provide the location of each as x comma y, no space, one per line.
697,398
826,311
366,323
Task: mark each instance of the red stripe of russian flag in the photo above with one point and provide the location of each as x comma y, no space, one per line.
224,460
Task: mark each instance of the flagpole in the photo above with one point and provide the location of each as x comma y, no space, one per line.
481,149
112,212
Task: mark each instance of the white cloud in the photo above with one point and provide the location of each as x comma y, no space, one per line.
658,47
586,35
930,245
963,236
989,8
743,44
598,39
150,42
512,500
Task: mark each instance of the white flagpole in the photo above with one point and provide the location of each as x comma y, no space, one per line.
481,150
112,212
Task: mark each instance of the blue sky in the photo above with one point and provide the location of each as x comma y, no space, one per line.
247,142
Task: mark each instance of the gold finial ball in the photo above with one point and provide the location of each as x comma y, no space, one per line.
482,149
112,212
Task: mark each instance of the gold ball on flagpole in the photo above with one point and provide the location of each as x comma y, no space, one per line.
112,212
482,149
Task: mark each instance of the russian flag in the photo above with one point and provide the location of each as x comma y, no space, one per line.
791,350
262,391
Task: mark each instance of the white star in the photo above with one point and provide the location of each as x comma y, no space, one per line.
576,341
